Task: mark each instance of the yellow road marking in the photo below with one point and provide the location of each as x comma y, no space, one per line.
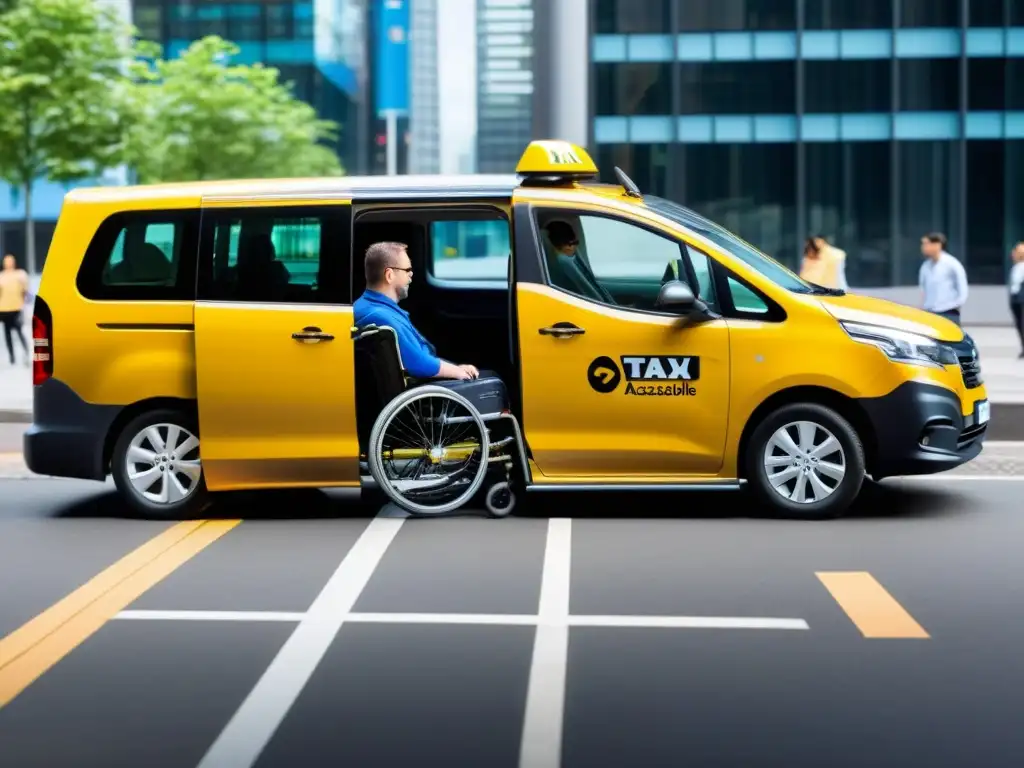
875,612
31,650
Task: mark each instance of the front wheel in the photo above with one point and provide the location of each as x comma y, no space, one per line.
806,461
157,468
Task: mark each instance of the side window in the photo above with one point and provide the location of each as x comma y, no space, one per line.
282,255
746,300
142,256
705,276
470,250
615,261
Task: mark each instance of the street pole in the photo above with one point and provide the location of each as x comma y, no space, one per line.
392,138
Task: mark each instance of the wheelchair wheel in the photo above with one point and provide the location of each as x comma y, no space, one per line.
500,500
428,450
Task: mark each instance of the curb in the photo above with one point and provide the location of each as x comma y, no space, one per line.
15,417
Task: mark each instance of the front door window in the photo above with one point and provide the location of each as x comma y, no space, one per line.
617,262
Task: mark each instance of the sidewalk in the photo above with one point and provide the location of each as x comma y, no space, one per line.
15,382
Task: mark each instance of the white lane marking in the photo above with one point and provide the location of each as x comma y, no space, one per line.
141,615
695,622
264,709
493,619
541,744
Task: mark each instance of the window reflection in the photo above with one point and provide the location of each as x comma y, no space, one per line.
847,86
631,16
716,15
929,84
633,89
738,87
930,13
848,14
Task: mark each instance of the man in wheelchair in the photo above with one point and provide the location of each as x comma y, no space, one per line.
388,276
424,424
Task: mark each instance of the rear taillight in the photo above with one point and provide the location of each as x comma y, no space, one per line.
42,343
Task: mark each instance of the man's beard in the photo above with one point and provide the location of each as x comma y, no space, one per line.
403,292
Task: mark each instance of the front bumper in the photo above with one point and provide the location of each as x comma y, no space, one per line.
67,434
920,430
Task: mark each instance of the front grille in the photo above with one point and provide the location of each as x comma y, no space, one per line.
970,367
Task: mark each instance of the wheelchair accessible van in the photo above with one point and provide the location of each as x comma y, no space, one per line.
434,445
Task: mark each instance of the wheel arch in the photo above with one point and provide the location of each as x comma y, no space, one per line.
134,410
845,406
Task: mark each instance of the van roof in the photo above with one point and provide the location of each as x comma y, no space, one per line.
476,185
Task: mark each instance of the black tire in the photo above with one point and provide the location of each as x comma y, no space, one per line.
500,500
844,493
188,508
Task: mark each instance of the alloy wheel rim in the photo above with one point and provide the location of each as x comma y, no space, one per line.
804,462
163,465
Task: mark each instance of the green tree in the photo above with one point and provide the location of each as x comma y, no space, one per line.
200,117
61,95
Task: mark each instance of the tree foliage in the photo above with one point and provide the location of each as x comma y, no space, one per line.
62,93
199,117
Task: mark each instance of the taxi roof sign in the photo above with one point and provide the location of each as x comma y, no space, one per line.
555,158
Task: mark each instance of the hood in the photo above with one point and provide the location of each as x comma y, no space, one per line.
867,309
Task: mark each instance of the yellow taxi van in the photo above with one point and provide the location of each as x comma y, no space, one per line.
196,338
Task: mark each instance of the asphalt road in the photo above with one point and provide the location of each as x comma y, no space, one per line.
787,670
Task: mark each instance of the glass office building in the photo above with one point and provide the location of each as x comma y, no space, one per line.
870,121
505,82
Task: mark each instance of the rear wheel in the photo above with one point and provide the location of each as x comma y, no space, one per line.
156,465
806,461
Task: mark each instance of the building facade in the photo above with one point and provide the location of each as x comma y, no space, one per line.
872,122
424,93
505,73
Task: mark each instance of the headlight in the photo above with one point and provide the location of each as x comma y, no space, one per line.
903,347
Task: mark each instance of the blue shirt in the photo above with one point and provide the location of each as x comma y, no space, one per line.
419,357
944,283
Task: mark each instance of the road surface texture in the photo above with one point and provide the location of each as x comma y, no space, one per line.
599,630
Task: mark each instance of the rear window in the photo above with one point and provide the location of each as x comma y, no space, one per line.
142,256
470,250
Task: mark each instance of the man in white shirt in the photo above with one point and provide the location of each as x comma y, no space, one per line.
1017,291
942,278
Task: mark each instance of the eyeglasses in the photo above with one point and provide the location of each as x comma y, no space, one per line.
402,269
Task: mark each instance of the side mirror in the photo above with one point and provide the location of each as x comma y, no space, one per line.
677,296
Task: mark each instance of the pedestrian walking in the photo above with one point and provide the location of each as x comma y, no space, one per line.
942,278
1016,285
823,264
13,296
837,256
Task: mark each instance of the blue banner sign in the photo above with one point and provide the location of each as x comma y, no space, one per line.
392,75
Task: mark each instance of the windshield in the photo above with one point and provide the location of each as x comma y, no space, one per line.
720,236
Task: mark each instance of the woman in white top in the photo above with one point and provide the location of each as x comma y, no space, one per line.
13,295
1017,291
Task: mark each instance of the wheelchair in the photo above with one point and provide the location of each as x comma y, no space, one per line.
431,445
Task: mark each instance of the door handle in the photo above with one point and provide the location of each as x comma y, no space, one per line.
562,330
312,335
